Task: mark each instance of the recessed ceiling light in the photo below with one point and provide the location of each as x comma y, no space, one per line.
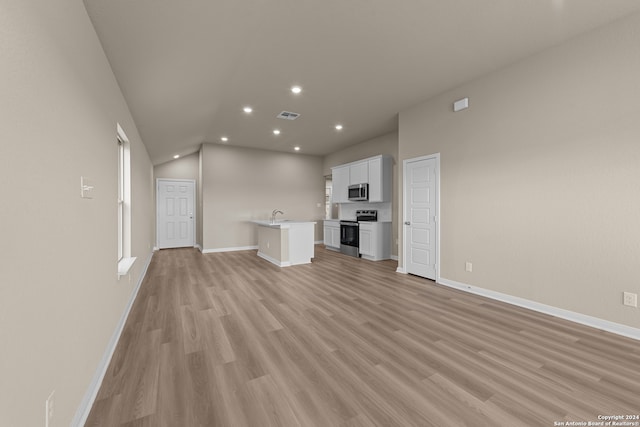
296,148
247,109
338,127
276,131
177,156
224,139
296,89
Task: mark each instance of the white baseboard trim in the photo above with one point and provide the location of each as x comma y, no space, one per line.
198,247
401,270
394,257
240,248
594,322
319,242
273,260
89,398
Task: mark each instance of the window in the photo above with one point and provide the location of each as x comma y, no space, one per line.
121,184
125,260
328,186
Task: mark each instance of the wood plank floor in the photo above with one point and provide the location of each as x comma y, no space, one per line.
228,339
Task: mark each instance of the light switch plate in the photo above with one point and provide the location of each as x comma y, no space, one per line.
86,187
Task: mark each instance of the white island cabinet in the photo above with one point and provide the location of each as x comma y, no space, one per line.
286,243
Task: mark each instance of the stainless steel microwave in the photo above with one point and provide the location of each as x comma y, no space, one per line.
359,192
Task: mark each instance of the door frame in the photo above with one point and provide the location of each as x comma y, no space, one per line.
405,244
195,204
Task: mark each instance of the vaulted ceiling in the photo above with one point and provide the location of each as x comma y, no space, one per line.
188,67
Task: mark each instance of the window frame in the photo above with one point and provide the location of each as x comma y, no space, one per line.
124,259
121,202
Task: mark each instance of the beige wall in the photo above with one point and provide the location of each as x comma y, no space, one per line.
540,177
60,300
385,144
183,168
241,184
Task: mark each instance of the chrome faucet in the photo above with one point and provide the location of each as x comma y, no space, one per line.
273,215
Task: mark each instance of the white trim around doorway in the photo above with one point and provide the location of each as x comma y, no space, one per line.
402,266
195,204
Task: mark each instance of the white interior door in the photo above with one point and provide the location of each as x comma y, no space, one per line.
420,198
175,213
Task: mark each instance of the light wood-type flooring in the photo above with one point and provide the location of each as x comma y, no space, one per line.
228,339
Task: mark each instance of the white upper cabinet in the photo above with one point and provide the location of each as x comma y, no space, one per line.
359,173
380,179
375,171
340,184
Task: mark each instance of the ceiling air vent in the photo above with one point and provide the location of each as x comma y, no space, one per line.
288,115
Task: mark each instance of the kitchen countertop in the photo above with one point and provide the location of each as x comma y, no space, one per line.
283,223
350,219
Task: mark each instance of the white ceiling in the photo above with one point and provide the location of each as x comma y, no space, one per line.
187,67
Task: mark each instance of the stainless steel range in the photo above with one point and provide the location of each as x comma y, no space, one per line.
350,232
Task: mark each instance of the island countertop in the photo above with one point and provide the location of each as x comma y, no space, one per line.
285,223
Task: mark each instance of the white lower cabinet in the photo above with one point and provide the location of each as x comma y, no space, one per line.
332,234
375,240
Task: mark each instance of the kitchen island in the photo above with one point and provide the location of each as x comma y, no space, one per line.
286,242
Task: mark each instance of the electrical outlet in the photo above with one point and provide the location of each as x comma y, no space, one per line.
468,267
49,406
630,299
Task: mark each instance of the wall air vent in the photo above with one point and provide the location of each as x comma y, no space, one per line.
288,115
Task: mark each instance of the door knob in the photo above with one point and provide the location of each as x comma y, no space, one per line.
407,223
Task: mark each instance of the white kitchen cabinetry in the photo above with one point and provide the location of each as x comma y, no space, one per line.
375,171
340,184
375,240
367,240
359,173
380,169
332,234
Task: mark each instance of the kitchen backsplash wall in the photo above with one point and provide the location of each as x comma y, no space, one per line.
348,210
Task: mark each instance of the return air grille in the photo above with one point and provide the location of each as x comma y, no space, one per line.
288,115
